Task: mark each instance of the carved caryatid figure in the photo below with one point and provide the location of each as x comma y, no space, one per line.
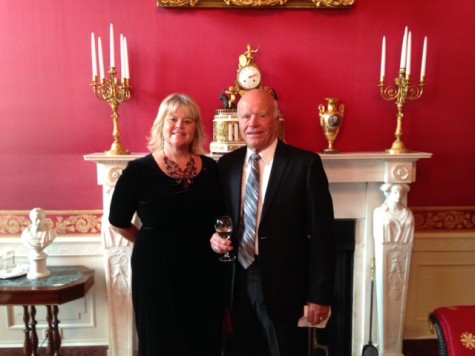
393,228
393,221
35,238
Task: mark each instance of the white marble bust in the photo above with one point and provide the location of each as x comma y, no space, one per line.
35,238
393,221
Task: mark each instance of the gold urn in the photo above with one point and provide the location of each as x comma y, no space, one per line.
330,120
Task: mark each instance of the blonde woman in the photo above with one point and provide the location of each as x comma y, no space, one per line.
176,277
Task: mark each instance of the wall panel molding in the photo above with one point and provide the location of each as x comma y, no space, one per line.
442,266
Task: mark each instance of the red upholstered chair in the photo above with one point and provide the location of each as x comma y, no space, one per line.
455,327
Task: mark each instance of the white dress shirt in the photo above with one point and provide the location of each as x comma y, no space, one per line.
265,167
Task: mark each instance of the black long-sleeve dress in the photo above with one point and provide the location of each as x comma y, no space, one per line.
176,277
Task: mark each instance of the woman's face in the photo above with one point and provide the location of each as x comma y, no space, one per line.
179,130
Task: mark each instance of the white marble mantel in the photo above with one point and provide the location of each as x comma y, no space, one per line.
355,179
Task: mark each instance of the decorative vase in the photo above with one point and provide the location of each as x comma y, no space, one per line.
330,120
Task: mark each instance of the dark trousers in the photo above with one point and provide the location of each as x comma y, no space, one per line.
255,334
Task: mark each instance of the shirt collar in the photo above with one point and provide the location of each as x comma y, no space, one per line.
267,155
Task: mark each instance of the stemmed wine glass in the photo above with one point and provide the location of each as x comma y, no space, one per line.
224,227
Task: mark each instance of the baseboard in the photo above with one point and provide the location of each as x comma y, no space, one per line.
420,347
65,351
423,347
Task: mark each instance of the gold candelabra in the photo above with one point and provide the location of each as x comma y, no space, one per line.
114,92
402,91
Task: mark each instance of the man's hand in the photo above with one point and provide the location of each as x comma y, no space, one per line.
220,245
317,313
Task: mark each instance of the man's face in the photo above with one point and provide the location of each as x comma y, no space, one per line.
37,219
258,121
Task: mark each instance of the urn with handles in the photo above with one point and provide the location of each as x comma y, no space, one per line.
330,119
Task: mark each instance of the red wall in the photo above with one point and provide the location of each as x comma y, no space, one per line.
50,118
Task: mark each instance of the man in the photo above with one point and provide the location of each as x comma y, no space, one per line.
293,259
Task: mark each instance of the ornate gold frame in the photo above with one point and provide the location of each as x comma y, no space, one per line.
258,4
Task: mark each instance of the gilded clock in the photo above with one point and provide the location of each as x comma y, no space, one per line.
249,77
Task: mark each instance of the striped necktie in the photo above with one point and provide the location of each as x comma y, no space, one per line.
247,251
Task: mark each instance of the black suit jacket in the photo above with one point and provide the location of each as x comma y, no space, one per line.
296,243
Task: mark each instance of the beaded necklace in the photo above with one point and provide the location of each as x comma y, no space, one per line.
185,176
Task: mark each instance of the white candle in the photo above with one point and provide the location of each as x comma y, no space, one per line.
111,47
126,59
424,58
403,50
93,54
122,66
383,58
408,60
101,58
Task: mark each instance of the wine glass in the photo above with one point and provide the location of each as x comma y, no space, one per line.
224,227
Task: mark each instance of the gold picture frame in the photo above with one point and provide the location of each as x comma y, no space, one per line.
257,4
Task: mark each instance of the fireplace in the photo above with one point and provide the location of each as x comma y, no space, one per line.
336,337
354,179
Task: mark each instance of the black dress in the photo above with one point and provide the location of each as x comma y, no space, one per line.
176,277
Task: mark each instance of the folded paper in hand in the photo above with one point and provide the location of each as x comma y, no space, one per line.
304,323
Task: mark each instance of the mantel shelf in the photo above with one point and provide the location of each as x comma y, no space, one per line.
350,167
377,155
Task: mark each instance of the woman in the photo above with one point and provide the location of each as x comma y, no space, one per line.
176,277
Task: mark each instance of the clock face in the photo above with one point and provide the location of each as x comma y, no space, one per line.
249,77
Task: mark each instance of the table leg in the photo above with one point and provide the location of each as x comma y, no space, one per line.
54,337
26,343
30,345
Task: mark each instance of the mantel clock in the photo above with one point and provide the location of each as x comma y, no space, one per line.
248,74
226,136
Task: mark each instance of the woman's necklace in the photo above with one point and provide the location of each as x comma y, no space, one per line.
185,176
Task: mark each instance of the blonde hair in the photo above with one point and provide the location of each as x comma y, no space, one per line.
171,104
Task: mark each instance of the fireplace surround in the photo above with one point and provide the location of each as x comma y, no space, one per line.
355,179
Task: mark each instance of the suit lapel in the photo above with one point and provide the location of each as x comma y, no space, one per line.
235,185
279,167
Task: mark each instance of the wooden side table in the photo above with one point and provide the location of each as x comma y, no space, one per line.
65,284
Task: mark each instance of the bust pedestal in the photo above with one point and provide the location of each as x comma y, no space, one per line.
38,268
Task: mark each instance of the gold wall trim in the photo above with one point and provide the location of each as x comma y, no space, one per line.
444,218
258,4
66,222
